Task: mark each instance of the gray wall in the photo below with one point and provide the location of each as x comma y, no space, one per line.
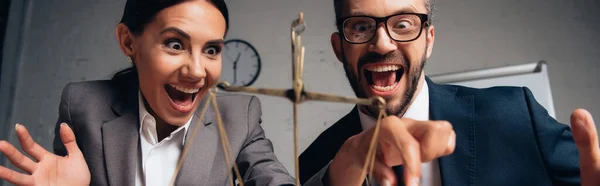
64,41
475,34
59,41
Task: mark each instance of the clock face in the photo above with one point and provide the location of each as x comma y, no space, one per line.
241,63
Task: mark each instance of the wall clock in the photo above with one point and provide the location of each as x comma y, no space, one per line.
241,63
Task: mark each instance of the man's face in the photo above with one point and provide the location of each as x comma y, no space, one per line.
384,66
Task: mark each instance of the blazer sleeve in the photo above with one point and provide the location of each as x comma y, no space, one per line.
321,178
555,143
64,116
256,160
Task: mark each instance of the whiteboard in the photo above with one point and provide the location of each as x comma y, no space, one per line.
533,76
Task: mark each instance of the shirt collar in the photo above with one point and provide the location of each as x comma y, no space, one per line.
418,110
148,124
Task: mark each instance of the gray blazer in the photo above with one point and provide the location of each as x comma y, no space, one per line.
104,117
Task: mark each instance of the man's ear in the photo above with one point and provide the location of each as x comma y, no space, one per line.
125,39
336,44
430,39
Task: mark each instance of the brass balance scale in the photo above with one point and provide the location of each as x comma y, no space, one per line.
296,95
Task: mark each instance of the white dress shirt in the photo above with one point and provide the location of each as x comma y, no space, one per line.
157,159
418,110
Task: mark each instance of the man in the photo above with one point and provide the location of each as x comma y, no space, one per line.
437,134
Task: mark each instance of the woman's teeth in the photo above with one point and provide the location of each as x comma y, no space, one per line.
384,89
382,68
186,90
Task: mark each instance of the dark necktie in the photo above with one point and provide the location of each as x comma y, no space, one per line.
399,174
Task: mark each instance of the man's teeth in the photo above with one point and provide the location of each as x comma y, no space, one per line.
384,89
382,68
186,90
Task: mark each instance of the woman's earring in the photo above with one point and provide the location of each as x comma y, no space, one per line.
129,59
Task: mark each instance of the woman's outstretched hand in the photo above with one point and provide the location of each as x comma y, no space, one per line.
48,169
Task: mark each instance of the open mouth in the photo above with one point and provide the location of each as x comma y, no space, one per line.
383,78
182,98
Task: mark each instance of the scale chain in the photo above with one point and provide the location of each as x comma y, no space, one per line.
296,95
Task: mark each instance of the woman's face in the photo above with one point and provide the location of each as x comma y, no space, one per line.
178,57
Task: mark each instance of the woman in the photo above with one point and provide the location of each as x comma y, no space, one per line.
131,130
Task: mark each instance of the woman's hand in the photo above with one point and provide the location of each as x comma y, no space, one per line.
49,169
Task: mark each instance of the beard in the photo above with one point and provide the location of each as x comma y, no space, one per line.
413,75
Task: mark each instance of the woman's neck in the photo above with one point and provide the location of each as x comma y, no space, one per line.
163,129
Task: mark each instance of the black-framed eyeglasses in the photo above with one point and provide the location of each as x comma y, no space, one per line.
403,27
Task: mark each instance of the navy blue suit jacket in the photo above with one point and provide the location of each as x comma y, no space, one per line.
503,137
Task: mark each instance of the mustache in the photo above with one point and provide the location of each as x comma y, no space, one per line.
373,57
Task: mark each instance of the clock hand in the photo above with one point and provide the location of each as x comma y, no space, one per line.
236,59
234,76
235,67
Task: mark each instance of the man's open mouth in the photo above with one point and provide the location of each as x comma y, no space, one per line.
182,98
383,77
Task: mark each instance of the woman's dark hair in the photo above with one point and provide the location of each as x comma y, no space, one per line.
138,13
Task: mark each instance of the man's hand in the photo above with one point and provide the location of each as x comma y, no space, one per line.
49,169
586,139
404,142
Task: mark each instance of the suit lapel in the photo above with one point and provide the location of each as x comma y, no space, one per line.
351,124
447,103
120,140
198,163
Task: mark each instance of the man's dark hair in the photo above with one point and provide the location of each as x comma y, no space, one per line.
338,5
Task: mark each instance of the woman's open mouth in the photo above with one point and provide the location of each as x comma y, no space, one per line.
182,98
383,79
